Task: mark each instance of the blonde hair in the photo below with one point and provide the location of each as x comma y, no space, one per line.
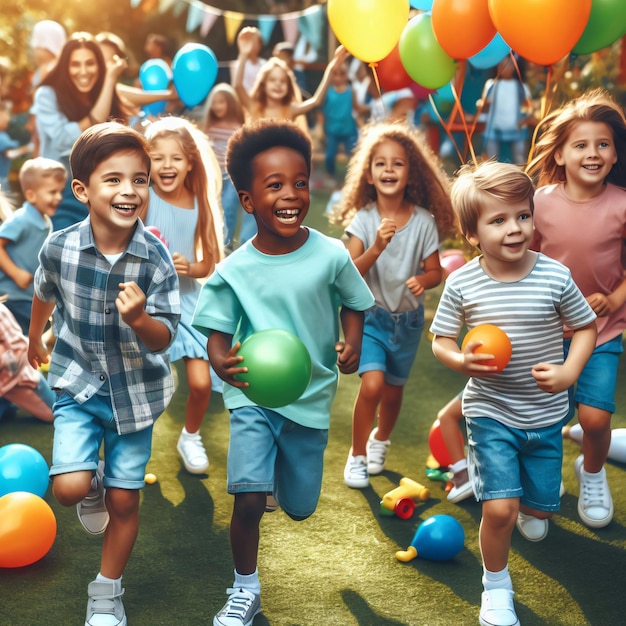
235,110
34,171
427,185
504,181
258,94
204,179
592,106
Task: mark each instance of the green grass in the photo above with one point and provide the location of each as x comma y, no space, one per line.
337,567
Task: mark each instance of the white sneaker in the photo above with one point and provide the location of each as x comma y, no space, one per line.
532,528
595,504
192,452
355,473
496,608
105,605
240,608
376,453
92,511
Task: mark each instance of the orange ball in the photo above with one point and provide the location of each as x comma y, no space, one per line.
494,341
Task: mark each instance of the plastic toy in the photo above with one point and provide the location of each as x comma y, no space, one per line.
279,368
494,341
617,449
22,468
439,538
402,500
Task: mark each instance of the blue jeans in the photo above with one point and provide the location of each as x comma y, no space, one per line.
332,147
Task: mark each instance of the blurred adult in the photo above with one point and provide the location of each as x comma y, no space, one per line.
46,42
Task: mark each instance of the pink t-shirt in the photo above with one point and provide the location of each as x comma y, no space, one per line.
587,238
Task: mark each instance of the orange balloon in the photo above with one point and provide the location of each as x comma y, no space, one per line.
494,341
462,27
541,31
28,529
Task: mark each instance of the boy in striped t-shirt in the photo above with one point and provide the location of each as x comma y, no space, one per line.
514,417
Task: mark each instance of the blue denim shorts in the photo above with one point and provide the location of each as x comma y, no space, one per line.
80,430
270,453
507,462
390,343
596,385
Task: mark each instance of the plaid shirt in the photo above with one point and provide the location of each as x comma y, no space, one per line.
95,351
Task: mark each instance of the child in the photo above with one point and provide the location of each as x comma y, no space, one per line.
224,115
302,278
275,93
394,202
184,207
116,295
249,37
514,418
9,148
580,159
20,382
42,181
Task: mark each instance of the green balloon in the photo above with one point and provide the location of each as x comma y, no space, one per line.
279,368
606,24
424,60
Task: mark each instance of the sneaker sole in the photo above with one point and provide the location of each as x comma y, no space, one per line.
357,485
532,539
461,495
122,623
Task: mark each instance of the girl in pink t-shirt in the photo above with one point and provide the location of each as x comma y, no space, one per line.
580,220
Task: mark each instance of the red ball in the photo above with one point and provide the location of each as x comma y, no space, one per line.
438,447
494,341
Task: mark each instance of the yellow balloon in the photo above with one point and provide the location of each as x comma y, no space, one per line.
369,29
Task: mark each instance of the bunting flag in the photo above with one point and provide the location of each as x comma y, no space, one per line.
202,17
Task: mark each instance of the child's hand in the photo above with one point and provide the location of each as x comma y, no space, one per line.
600,304
23,278
551,377
385,232
130,302
347,358
181,264
341,55
413,283
116,66
470,361
37,352
228,367
246,40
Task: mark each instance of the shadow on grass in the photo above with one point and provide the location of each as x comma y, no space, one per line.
363,612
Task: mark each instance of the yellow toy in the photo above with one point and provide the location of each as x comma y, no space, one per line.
401,501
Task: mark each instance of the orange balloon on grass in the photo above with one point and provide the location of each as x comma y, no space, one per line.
494,341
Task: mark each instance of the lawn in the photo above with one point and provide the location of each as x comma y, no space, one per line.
337,567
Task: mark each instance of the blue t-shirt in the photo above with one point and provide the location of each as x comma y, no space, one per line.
300,292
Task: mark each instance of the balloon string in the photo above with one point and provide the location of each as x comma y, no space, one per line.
373,65
445,127
546,104
457,100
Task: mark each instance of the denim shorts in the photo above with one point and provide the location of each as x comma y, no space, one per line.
596,385
270,453
390,343
80,430
506,462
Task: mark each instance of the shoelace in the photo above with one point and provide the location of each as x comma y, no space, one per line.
377,450
594,493
238,604
359,470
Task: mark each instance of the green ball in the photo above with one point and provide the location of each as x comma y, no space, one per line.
279,368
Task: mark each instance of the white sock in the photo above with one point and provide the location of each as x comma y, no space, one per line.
248,581
497,580
116,581
458,466
186,433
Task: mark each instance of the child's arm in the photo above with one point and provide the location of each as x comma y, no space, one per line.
602,304
349,350
364,259
224,358
245,46
430,278
131,303
464,361
553,378
298,108
40,314
101,110
22,278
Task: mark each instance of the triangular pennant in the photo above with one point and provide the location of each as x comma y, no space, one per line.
266,26
194,18
232,22
179,7
135,3
207,23
165,5
290,29
311,25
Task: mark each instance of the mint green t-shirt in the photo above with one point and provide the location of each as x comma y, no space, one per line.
300,292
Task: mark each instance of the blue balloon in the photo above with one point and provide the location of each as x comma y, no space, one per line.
491,54
154,75
22,468
439,538
195,70
424,5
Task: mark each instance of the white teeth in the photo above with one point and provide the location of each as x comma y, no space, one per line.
288,212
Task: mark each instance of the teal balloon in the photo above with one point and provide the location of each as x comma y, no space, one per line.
195,69
424,60
606,24
279,368
22,468
155,75
424,5
439,538
491,54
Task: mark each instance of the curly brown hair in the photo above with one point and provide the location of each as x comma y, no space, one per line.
428,185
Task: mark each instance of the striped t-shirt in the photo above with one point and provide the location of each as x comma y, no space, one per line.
531,311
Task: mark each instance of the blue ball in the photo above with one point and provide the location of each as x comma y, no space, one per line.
22,468
439,538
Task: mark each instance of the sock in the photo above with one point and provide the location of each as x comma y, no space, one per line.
497,580
186,433
458,466
116,581
248,581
